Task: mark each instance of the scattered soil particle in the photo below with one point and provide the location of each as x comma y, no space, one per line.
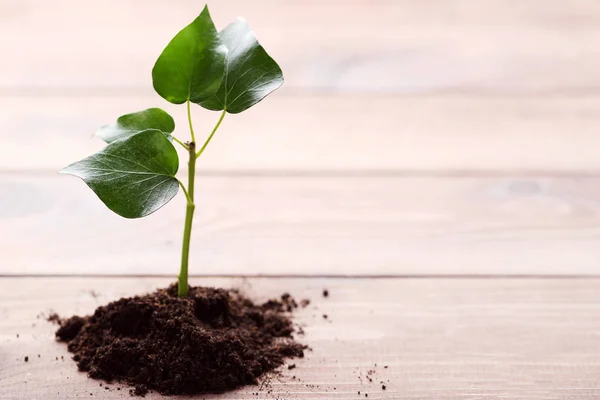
288,301
26,358
213,341
17,335
54,318
291,366
325,316
304,303
383,387
325,293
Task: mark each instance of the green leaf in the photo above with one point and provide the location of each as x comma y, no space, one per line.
250,73
135,176
130,124
192,65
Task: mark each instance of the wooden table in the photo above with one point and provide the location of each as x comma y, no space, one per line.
434,164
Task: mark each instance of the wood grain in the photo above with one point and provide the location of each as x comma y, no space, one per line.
441,339
353,225
440,134
380,45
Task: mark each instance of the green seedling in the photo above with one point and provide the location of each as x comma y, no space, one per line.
135,174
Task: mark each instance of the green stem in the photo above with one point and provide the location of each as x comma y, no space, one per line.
180,142
182,288
187,196
187,229
211,134
190,121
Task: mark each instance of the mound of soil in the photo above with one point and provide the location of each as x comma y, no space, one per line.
210,342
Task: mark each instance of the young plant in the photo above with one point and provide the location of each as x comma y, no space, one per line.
135,174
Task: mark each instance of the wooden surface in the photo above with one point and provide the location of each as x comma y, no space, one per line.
347,225
456,141
441,339
364,45
321,133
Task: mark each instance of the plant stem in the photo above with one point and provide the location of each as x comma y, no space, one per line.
182,287
180,142
182,290
190,122
212,133
187,196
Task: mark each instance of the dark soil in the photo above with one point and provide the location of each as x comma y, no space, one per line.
213,341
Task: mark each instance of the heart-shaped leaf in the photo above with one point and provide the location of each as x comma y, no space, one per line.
191,66
250,73
135,176
130,124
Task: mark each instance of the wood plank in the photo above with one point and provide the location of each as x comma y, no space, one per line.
441,339
350,225
384,45
336,133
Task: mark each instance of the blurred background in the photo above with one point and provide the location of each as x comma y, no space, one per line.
410,137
